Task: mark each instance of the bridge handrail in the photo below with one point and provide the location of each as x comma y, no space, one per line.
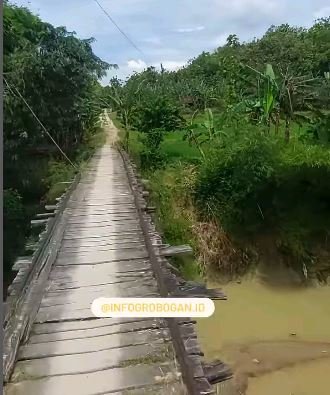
24,298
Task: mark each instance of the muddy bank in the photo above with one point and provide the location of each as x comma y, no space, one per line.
267,332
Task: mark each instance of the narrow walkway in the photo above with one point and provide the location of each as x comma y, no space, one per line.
102,254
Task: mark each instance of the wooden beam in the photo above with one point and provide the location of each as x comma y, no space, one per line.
150,209
50,207
176,250
38,222
22,262
45,215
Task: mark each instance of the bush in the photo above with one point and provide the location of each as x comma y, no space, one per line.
155,116
13,209
151,155
157,112
319,130
233,182
263,185
14,227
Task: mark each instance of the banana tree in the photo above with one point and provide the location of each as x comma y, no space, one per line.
266,105
295,93
280,96
200,133
124,101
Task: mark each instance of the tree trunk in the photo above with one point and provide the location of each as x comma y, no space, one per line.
126,135
287,129
277,123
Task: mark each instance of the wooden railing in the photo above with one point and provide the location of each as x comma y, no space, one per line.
26,291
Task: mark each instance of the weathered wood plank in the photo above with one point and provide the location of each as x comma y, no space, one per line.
99,382
45,215
93,344
67,326
176,250
99,257
38,222
22,262
84,363
98,331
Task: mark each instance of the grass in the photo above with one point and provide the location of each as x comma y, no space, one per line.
174,214
175,148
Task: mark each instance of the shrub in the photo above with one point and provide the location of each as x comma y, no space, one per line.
233,180
151,155
157,112
13,209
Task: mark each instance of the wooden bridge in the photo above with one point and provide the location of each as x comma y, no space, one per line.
99,240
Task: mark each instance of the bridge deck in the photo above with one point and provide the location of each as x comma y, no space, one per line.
103,253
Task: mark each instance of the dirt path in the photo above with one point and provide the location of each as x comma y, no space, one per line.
110,128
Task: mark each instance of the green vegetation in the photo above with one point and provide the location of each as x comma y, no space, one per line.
236,146
56,74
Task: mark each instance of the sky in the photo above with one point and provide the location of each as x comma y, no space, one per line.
170,32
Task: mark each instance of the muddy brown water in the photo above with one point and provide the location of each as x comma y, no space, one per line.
276,339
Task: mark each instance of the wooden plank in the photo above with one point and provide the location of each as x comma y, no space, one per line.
84,363
67,326
100,256
38,222
65,284
45,215
93,344
175,250
51,207
22,262
98,331
100,382
105,270
217,372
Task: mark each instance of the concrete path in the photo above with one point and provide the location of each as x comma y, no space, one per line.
102,254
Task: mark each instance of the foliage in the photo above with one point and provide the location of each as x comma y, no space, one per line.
124,102
235,101
157,112
280,97
201,133
13,207
170,194
57,75
230,181
154,116
319,129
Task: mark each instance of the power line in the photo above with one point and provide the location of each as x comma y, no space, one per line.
38,120
121,31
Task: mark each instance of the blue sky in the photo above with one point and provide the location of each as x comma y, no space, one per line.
171,31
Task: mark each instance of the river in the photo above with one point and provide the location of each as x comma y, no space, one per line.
276,338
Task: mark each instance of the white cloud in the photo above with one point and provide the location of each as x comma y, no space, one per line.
152,40
221,40
136,65
322,12
189,29
236,7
